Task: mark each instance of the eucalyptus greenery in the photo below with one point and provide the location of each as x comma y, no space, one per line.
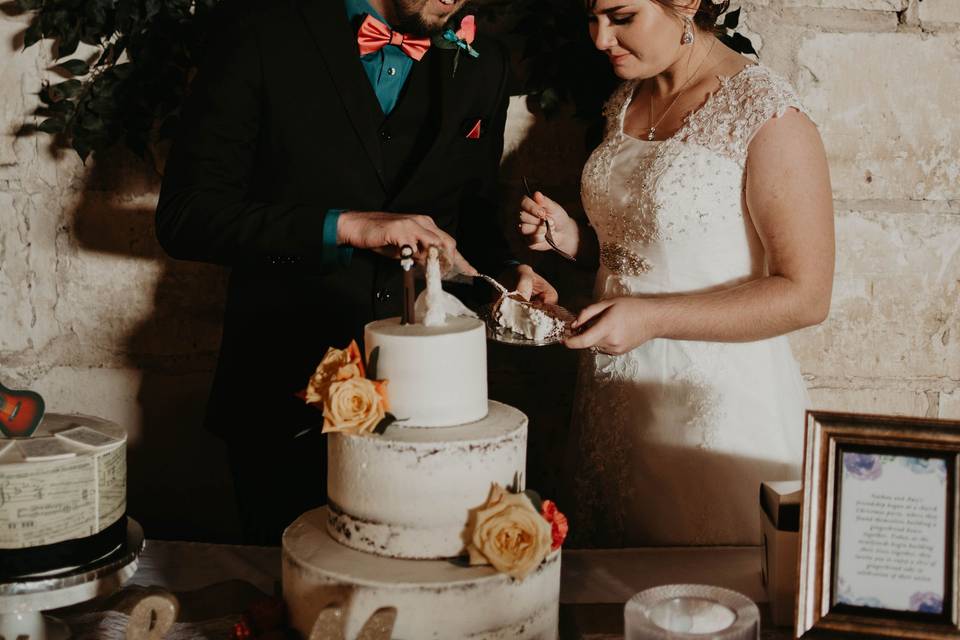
131,87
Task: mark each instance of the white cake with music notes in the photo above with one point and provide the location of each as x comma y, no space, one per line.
427,519
63,495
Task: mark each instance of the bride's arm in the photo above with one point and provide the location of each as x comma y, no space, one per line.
788,196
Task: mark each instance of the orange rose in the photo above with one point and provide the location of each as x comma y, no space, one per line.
354,405
509,534
337,365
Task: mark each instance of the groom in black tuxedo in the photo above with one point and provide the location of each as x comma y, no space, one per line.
319,136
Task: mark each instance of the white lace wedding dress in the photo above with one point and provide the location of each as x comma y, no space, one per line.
674,437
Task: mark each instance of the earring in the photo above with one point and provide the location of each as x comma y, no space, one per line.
687,31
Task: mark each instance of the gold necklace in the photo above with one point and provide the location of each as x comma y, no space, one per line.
652,133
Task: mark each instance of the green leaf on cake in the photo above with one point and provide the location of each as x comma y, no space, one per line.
535,499
388,419
372,363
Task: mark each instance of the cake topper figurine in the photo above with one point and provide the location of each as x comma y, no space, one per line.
435,314
435,306
20,412
409,291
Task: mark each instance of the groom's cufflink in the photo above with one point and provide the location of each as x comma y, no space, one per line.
473,128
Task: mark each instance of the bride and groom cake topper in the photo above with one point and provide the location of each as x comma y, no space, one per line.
511,319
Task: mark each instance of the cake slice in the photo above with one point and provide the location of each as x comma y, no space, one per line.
526,319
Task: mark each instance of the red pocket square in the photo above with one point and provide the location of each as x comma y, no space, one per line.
475,130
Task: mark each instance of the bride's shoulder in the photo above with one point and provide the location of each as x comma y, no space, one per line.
746,99
761,92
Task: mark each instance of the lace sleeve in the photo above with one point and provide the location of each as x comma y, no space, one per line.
767,96
740,107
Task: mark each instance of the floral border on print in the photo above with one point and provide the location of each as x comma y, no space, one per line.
869,466
845,596
863,466
926,602
926,465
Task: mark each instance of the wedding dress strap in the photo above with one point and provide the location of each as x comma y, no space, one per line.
730,117
615,108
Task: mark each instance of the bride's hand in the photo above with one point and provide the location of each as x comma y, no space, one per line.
614,326
539,211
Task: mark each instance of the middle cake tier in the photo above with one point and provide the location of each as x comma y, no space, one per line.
408,493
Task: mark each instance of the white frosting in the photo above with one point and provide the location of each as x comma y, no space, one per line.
525,319
48,501
437,376
434,598
408,492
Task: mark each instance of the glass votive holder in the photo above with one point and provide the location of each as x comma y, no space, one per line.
699,612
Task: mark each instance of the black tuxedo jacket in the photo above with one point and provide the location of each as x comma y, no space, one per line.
282,124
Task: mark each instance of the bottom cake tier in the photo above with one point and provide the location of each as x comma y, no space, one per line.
434,598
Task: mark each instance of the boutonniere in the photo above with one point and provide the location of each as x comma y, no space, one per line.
461,40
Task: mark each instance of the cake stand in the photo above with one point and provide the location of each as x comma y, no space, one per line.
23,600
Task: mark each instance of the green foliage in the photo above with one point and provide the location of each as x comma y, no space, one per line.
130,90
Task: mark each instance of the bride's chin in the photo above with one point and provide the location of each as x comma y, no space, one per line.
628,69
626,73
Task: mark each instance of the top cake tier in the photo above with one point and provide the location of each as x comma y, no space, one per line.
437,376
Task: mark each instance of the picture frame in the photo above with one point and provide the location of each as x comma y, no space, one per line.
879,528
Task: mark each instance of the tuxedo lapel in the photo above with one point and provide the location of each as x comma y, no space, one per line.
327,22
451,90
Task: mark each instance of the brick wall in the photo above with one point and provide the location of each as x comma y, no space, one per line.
94,317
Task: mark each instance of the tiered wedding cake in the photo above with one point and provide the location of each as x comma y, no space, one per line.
407,502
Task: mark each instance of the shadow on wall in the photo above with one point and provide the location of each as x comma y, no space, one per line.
179,485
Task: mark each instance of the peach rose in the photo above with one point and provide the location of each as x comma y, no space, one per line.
337,365
509,534
354,405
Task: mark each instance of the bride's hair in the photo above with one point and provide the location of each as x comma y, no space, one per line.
705,18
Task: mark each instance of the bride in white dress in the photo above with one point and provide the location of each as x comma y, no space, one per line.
711,225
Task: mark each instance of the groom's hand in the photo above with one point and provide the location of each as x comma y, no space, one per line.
529,284
386,233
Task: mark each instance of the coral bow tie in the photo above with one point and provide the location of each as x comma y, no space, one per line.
374,35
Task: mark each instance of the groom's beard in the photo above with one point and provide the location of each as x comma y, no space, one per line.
411,18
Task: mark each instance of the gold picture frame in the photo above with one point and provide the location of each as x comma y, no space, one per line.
884,490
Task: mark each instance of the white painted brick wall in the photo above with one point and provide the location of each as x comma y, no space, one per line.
95,318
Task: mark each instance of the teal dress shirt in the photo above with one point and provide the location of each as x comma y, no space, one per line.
387,70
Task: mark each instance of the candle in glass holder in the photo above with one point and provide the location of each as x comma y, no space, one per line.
684,611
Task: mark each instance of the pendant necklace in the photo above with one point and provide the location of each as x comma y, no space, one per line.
652,133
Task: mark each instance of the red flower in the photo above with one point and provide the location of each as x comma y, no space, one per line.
241,630
558,523
468,29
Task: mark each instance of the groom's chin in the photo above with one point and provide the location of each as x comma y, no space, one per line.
426,18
